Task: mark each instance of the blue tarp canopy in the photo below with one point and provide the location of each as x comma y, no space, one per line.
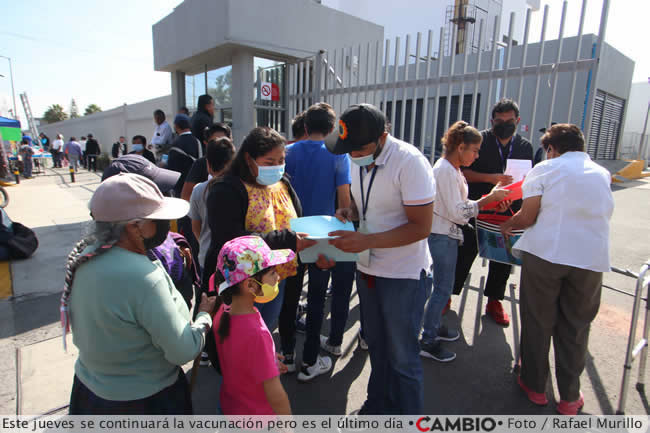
9,123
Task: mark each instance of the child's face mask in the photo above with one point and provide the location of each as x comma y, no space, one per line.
269,292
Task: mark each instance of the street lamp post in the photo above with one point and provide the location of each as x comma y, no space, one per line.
13,93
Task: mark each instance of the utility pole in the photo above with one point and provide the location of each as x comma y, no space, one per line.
13,94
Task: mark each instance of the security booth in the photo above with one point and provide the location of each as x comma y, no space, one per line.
238,52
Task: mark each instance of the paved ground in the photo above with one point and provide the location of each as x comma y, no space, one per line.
480,381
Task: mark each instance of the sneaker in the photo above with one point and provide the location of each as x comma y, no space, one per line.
447,307
446,334
205,359
362,343
537,398
301,325
290,362
494,309
571,407
436,351
334,350
322,365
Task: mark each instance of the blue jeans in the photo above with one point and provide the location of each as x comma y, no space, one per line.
444,251
271,310
342,279
27,167
391,318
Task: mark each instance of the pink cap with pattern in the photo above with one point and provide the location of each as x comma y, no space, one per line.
243,257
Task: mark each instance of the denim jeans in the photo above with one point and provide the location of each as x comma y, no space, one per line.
444,251
27,167
391,318
270,311
342,279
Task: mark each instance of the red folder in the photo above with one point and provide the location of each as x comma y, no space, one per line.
515,194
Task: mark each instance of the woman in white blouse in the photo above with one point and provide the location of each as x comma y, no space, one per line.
452,209
565,250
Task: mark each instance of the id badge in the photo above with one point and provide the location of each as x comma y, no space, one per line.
364,256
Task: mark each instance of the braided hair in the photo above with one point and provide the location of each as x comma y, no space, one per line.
104,234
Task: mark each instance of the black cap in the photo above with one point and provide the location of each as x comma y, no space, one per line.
90,135
543,130
136,164
359,125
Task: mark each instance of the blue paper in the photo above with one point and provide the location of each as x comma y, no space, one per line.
317,228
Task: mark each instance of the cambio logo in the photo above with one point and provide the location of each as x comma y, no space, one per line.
460,424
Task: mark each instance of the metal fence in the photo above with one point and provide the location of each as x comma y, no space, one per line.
422,92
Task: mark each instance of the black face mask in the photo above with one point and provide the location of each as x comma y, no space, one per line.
504,130
162,230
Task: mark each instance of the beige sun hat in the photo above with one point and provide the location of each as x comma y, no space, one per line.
128,196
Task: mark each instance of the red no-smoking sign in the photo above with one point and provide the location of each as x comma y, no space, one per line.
269,91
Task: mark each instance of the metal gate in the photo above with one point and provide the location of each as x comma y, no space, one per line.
605,126
392,74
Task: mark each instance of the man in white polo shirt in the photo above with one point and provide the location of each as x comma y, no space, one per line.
393,191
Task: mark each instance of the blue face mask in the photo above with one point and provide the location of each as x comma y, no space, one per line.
363,161
137,147
269,175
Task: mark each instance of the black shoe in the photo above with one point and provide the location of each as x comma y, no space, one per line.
436,351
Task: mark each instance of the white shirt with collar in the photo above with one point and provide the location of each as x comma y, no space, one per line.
162,135
404,178
572,227
57,144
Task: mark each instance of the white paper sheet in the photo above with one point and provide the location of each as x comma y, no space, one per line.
518,169
318,227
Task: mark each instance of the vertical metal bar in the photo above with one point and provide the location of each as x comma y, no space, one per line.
300,91
558,58
488,102
523,55
349,83
396,66
326,86
450,88
285,100
592,88
318,77
575,65
358,97
308,90
461,97
425,98
365,99
335,83
540,60
441,59
402,121
377,54
342,76
508,56
481,35
385,81
414,101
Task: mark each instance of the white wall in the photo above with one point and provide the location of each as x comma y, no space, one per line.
107,126
637,107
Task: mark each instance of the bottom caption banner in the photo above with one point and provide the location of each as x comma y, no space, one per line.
336,423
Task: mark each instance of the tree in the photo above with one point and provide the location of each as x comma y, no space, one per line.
92,108
221,91
54,113
74,111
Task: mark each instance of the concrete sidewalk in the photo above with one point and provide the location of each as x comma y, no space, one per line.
479,381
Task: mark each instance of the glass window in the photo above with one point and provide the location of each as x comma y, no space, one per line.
194,87
220,86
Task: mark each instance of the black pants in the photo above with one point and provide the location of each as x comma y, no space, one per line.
56,158
92,163
498,273
176,399
287,321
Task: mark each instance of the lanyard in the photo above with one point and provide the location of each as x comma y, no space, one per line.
504,163
364,203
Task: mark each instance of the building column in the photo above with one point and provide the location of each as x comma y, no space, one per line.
178,92
243,113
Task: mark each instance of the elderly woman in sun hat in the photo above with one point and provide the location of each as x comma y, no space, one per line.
131,326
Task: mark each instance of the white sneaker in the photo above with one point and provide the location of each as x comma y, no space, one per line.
362,343
322,365
334,350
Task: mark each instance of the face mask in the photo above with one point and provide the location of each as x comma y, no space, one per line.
363,161
137,147
162,230
269,175
269,292
504,130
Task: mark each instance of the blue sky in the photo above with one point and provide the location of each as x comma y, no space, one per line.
101,51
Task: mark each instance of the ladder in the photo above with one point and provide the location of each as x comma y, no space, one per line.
30,119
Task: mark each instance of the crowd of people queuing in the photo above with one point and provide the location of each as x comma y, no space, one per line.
216,289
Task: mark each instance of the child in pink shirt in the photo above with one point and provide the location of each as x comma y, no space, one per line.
249,364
